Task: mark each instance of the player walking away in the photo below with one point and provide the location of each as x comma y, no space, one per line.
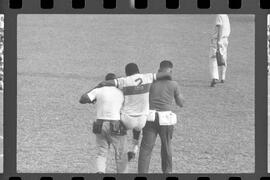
219,42
135,87
108,128
163,93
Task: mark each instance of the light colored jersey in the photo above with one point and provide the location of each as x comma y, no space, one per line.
109,101
222,20
136,92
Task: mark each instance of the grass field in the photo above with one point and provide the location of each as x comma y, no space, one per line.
62,56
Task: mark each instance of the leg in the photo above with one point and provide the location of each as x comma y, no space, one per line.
165,133
119,144
213,71
213,66
136,135
135,144
224,47
102,151
140,123
223,73
147,144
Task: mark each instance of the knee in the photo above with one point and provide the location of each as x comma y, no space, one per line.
167,148
147,146
102,150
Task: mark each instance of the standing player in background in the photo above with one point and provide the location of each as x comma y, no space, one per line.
135,87
108,128
219,42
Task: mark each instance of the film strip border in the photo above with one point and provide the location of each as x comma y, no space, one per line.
130,177
137,4
45,6
130,6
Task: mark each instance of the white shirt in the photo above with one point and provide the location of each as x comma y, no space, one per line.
136,92
222,20
109,101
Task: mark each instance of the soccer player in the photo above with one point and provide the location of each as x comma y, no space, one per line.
135,87
163,94
219,42
108,128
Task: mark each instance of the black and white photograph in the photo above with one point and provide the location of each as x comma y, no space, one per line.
135,93
1,87
268,68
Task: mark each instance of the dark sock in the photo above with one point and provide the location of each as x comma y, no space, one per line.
136,134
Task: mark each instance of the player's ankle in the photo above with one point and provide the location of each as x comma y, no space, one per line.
135,142
135,149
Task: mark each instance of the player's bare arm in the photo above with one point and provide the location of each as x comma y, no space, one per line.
179,100
85,99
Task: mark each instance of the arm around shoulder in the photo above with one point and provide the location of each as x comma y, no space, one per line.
89,97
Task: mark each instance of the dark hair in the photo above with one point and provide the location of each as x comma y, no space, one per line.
131,68
165,64
110,76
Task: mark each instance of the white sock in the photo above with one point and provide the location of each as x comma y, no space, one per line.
101,164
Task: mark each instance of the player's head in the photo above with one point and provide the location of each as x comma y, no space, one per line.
165,66
110,76
131,68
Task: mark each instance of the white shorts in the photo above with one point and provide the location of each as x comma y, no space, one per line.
134,122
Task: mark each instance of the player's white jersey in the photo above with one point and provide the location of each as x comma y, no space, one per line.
223,21
136,92
109,102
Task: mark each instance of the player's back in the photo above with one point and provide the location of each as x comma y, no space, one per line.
162,95
109,103
136,92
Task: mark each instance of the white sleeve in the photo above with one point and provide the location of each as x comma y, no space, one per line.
92,94
154,76
149,77
120,82
116,83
